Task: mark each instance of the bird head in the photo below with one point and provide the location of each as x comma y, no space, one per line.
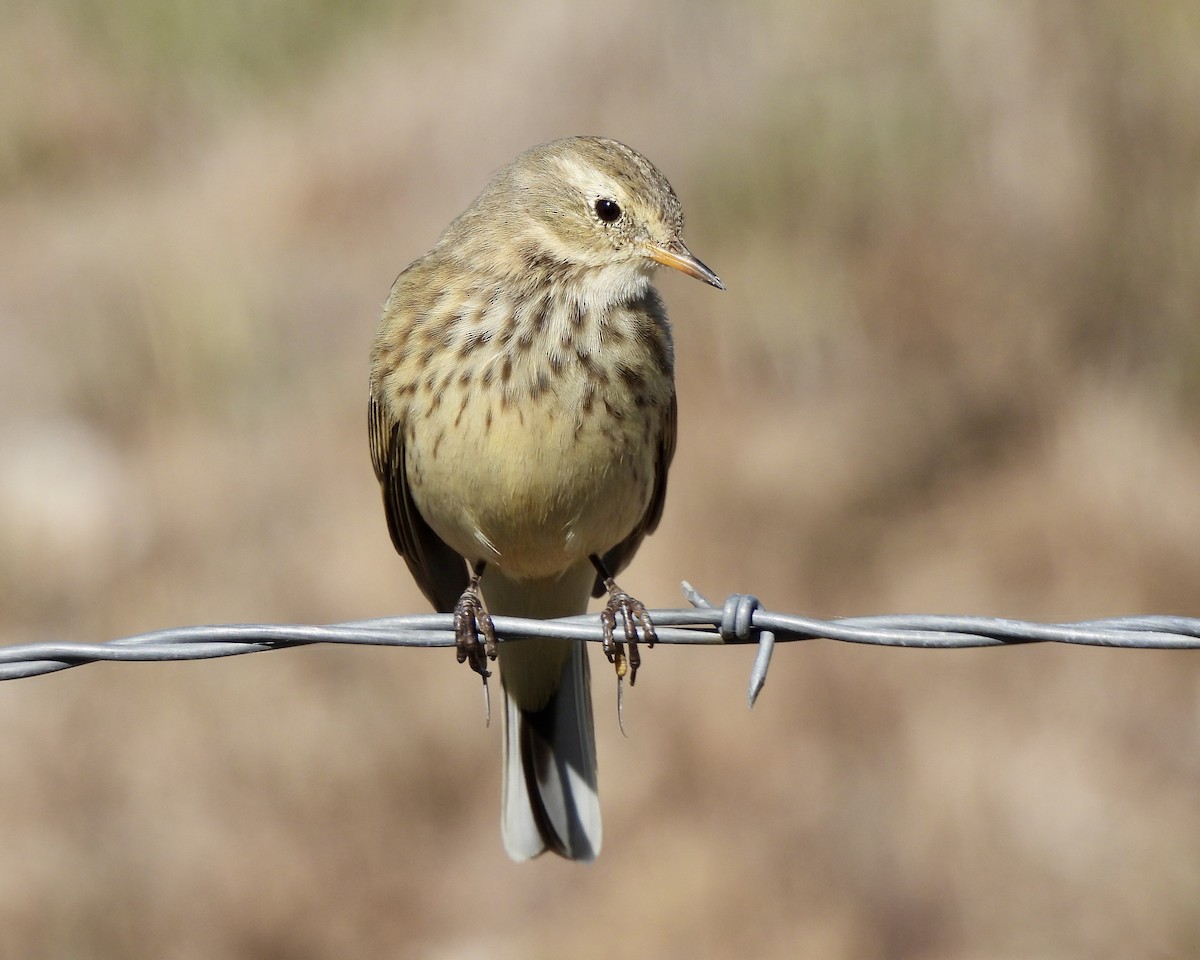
589,208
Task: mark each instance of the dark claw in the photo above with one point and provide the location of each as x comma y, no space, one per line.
635,620
474,636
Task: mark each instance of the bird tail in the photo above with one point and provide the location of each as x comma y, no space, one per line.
550,801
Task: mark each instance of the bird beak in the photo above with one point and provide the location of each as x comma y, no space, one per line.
675,255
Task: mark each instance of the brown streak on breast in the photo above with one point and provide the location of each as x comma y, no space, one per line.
614,412
633,378
449,331
387,366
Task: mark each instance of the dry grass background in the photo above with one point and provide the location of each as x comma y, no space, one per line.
955,371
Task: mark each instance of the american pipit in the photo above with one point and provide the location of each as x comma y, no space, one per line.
522,421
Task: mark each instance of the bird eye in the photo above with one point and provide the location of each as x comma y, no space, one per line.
608,210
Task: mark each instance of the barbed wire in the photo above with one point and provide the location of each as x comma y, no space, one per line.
740,620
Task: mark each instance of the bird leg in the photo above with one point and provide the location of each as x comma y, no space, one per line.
634,618
474,636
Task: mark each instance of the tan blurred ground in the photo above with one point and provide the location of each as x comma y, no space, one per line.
956,370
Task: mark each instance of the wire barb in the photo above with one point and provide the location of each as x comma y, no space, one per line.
737,627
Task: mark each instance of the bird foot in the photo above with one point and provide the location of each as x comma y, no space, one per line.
637,627
474,635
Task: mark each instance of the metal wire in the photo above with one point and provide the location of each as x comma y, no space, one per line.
741,619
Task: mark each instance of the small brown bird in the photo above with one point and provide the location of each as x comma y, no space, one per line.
522,421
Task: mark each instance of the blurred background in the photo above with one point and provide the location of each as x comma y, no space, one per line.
957,370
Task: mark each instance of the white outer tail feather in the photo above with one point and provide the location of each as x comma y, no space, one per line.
550,800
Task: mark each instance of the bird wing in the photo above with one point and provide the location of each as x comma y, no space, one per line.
439,571
619,556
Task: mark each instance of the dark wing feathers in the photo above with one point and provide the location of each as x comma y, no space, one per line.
439,571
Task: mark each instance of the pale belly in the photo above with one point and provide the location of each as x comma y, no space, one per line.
536,487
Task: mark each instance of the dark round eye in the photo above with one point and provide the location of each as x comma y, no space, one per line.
607,210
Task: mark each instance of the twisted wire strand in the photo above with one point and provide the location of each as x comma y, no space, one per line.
740,620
